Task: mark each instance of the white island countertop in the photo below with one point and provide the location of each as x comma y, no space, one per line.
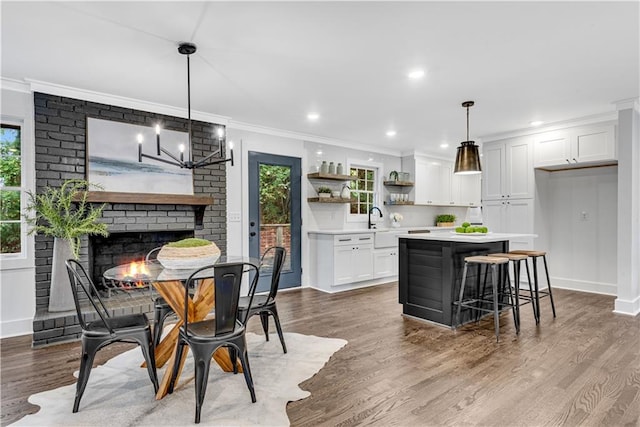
466,238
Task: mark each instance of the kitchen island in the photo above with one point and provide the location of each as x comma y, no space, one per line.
430,271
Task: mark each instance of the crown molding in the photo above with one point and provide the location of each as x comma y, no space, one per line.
122,101
233,124
582,121
14,85
628,104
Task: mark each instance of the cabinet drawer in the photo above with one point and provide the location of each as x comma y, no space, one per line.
352,239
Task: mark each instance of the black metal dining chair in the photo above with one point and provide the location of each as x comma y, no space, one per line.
265,305
205,337
105,329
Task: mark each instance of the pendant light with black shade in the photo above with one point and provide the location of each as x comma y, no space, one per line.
467,156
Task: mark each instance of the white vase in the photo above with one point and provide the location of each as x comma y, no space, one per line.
60,295
395,224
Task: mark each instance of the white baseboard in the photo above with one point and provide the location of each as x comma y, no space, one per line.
581,285
357,285
628,307
13,328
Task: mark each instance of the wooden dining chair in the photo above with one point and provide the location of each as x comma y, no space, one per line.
206,336
265,305
105,329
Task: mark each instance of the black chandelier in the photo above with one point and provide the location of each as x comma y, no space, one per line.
212,159
467,156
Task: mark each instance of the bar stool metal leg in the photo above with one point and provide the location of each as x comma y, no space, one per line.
496,311
464,279
546,270
535,284
532,293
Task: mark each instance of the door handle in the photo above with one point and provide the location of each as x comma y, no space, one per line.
253,233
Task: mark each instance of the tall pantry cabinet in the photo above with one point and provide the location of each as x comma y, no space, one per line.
508,188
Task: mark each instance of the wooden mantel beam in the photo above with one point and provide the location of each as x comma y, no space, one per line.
199,203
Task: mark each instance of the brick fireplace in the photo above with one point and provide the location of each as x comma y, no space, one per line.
60,147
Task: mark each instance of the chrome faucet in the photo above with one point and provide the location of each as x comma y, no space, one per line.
370,211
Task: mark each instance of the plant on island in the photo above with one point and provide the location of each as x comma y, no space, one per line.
65,213
445,218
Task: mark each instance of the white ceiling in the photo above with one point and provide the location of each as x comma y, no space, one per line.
269,64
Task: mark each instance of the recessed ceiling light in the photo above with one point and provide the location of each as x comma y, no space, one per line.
313,116
444,145
416,74
536,123
391,133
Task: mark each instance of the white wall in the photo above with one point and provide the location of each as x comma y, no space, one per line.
581,216
17,276
315,216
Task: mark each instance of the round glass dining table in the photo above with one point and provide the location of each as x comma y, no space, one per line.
169,283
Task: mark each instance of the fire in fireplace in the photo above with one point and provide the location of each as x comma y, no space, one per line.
126,248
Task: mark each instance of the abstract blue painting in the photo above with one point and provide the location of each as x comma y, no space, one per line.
113,159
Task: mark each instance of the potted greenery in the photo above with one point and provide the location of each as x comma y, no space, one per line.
445,220
324,192
64,214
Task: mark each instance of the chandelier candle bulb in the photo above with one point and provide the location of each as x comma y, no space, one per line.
181,152
140,139
158,138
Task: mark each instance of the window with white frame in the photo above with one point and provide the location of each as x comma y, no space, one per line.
363,188
12,235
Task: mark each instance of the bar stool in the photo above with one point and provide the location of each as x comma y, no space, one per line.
472,303
515,260
534,255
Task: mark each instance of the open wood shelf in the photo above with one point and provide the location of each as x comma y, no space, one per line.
399,183
333,177
409,202
328,200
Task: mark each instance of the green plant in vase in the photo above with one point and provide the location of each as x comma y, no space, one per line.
324,192
445,220
64,214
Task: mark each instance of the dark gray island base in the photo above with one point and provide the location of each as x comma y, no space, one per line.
430,273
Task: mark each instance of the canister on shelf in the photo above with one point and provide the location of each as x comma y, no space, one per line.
324,167
332,168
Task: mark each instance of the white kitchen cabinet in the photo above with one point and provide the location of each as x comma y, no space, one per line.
432,182
385,262
507,169
352,258
575,147
465,190
510,216
436,184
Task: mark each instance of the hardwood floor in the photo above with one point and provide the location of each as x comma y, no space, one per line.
583,368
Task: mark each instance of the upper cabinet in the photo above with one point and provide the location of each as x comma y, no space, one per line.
437,185
575,147
507,167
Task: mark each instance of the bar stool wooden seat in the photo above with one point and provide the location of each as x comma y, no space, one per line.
534,255
477,303
516,260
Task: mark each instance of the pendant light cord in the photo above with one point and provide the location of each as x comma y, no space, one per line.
467,122
189,108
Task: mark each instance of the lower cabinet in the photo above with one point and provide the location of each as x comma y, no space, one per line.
353,262
385,262
341,259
